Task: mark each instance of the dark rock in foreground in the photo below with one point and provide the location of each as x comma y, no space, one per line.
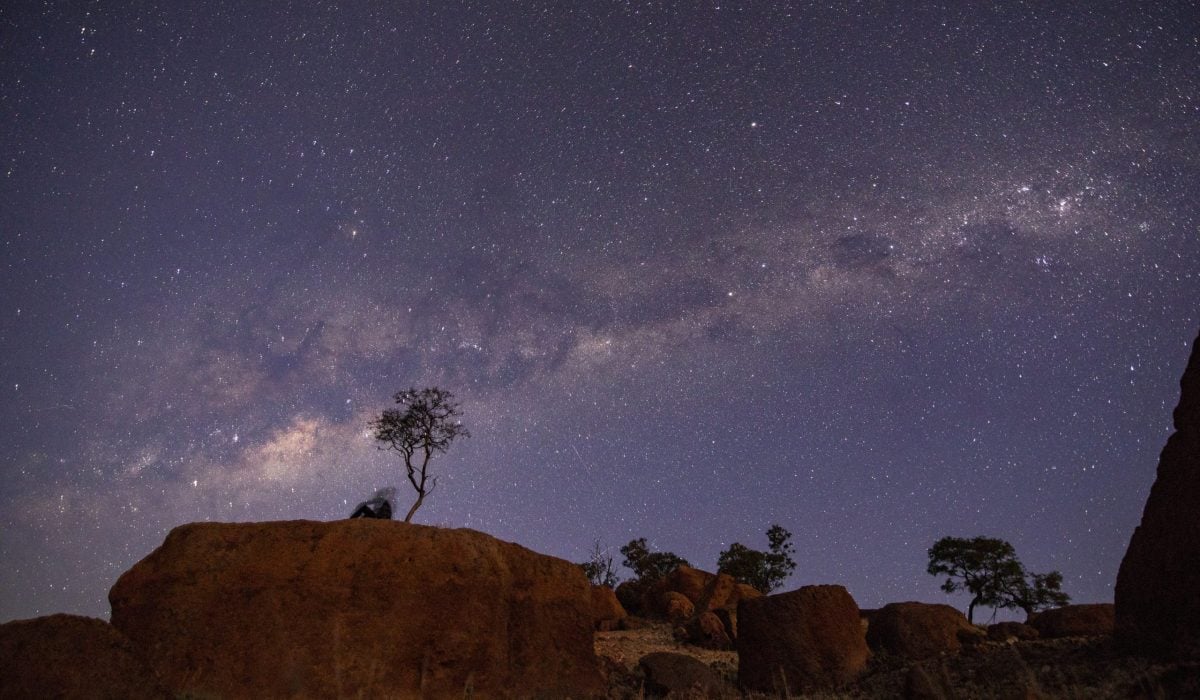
806,640
1157,599
682,676
67,656
357,608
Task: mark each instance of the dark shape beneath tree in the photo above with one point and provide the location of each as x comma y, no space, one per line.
647,566
765,571
426,425
378,506
989,570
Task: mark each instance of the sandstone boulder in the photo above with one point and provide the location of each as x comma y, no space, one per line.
630,593
67,656
1094,620
1157,607
680,675
675,607
708,631
706,591
806,640
607,611
357,608
919,630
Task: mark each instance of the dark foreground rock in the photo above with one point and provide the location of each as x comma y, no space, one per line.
804,641
681,675
919,630
357,608
1089,620
1157,605
67,656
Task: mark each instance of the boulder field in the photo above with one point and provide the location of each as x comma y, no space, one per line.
357,608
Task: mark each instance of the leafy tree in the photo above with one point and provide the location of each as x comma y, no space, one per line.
599,567
989,570
425,425
648,566
765,571
1036,592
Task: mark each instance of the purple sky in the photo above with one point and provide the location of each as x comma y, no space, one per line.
877,272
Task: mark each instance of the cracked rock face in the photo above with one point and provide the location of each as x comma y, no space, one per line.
1158,586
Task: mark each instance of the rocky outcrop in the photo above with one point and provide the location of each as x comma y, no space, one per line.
919,630
806,640
1157,607
707,630
1093,620
680,675
357,608
67,656
1011,631
706,591
607,611
675,607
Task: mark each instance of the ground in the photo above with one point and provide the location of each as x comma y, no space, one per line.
1059,668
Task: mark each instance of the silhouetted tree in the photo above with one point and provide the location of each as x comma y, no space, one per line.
647,566
766,571
599,567
989,570
425,425
1035,592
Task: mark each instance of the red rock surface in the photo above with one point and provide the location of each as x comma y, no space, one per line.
1093,620
809,639
67,656
1157,604
706,591
607,611
918,630
357,608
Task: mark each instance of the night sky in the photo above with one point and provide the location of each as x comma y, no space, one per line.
878,272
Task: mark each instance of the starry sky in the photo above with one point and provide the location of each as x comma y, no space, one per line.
879,272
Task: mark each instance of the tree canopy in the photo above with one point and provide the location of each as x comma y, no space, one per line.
649,566
425,425
988,569
765,571
599,567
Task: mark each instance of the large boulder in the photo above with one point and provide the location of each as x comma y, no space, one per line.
919,630
67,656
1092,620
803,641
1157,607
607,611
357,608
707,630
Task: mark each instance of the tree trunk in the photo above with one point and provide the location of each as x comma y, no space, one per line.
970,607
415,506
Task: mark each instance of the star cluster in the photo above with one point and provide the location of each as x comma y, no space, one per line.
879,273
